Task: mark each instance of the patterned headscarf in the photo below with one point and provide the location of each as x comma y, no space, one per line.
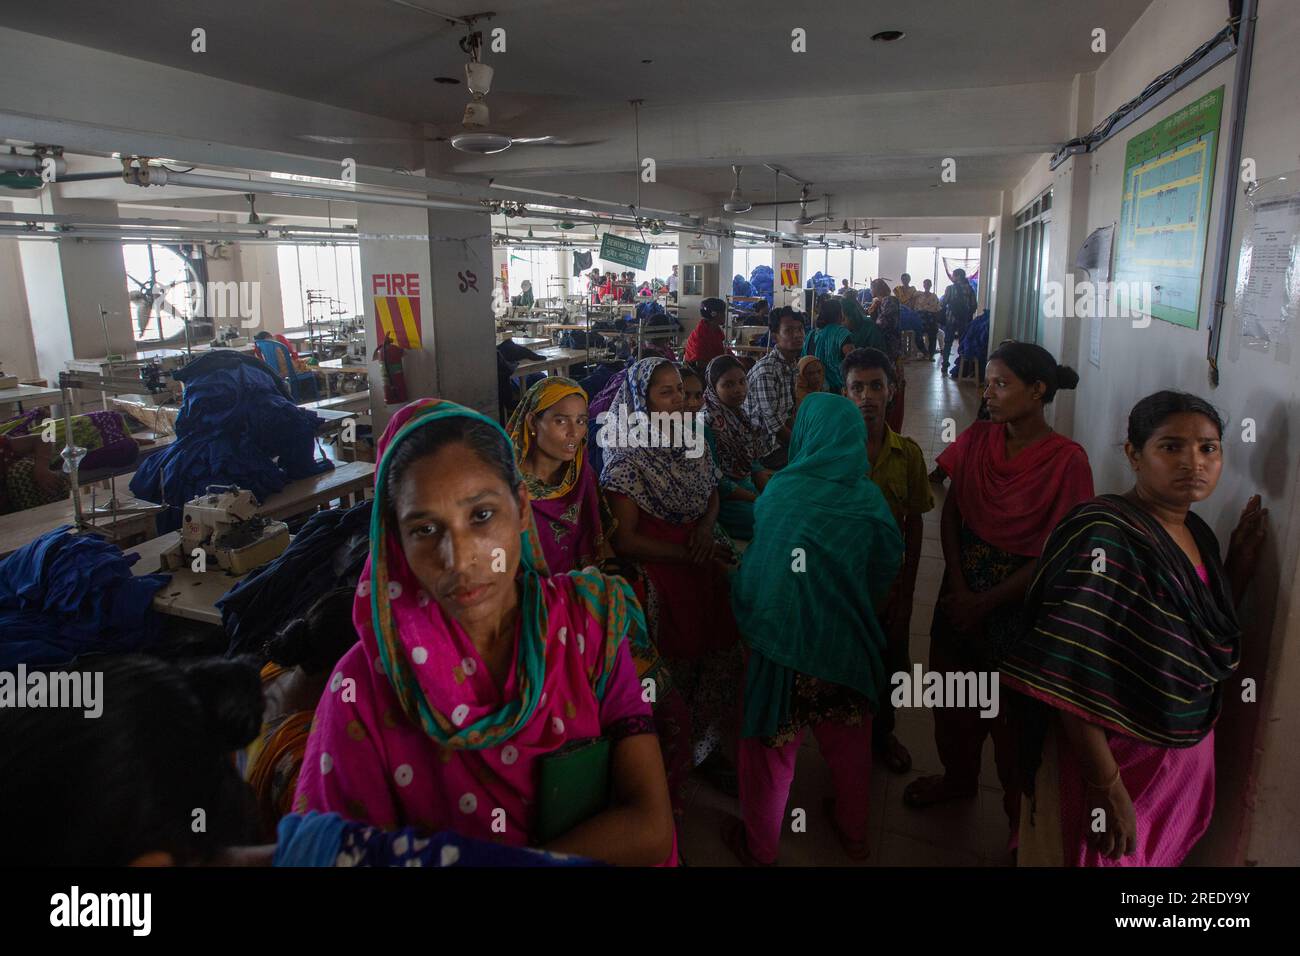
663,482
739,442
405,625
540,397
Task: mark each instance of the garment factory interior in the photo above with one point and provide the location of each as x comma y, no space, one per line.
238,241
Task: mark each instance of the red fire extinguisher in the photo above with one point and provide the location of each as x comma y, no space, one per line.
389,355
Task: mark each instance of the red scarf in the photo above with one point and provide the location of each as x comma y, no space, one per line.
1014,505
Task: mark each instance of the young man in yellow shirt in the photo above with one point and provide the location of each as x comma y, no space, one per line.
905,292
898,469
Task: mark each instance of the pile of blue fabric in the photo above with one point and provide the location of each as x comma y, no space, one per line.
64,595
821,282
975,343
648,310
741,286
237,426
327,553
762,279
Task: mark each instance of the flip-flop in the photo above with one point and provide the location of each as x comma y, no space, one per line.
856,849
733,835
940,792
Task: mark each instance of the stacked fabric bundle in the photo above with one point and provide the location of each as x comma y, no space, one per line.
237,426
741,286
327,553
64,595
762,279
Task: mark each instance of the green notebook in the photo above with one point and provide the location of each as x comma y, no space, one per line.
574,786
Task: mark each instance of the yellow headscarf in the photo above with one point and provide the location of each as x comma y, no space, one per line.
540,397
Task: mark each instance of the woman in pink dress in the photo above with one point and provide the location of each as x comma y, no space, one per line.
475,664
1130,633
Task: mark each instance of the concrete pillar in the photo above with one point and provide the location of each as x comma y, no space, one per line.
68,282
452,271
460,304
726,260
17,353
260,263
893,261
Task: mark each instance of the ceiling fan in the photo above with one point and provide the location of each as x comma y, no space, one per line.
476,134
737,202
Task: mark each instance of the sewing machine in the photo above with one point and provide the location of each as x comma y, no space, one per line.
225,523
357,345
228,337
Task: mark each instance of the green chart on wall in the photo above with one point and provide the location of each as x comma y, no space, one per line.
1164,219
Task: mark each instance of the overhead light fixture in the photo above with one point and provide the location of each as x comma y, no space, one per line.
888,36
447,80
566,225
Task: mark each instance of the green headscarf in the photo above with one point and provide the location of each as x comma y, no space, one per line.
863,331
825,543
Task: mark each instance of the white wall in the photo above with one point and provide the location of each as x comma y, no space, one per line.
1259,790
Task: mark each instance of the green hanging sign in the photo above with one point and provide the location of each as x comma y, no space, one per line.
624,252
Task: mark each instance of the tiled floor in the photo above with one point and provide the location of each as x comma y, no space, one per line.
961,833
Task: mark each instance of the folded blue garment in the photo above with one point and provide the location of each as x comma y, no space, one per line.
64,595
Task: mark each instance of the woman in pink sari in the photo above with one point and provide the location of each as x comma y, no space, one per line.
475,665
549,432
549,429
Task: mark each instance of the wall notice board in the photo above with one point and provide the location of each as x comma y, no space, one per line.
1164,218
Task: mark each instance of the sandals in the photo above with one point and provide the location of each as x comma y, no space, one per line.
894,755
928,791
733,835
856,849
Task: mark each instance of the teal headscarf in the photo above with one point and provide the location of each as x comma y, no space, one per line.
827,343
863,330
825,543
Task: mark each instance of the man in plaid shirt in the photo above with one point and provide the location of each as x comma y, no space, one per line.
770,402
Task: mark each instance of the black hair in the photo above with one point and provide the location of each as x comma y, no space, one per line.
688,370
774,320
1032,363
317,640
262,335
104,791
831,312
719,367
482,438
867,358
760,305
1150,413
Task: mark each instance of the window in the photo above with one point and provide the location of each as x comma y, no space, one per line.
839,263
1032,241
745,261
866,266
966,258
920,266
660,264
158,284
331,273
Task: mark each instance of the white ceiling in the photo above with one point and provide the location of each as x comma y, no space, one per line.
984,82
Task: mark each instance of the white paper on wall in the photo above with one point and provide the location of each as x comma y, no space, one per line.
1268,272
